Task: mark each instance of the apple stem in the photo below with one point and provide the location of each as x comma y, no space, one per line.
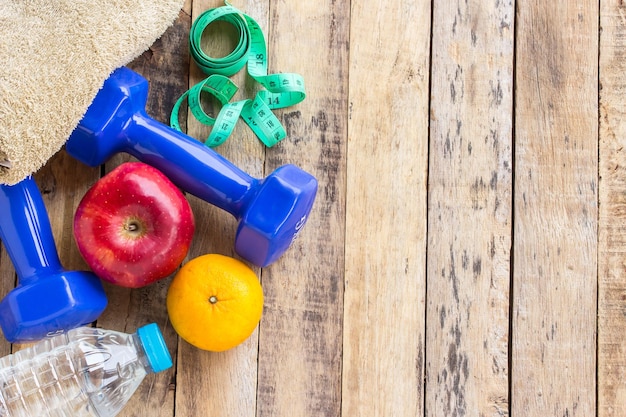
213,299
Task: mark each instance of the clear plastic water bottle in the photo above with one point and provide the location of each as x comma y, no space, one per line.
83,372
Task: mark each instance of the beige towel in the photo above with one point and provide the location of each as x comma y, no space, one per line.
54,57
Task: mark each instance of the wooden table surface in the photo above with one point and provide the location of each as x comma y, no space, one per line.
466,252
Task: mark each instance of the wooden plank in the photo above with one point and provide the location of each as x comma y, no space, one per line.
384,334
612,216
469,209
300,335
224,381
7,281
165,65
555,252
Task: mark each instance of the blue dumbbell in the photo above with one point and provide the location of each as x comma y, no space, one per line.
48,299
270,211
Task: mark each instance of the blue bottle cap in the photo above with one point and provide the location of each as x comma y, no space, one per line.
155,348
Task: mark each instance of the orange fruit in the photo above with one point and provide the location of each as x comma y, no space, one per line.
215,302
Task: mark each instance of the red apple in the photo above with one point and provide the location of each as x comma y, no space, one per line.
134,226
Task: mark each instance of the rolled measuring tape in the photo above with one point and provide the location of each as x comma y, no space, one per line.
281,90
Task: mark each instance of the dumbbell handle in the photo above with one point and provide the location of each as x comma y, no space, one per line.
188,163
26,233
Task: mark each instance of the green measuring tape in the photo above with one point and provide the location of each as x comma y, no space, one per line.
281,90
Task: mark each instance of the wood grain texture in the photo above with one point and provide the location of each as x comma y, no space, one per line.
224,383
555,252
301,376
612,213
469,209
8,280
384,312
